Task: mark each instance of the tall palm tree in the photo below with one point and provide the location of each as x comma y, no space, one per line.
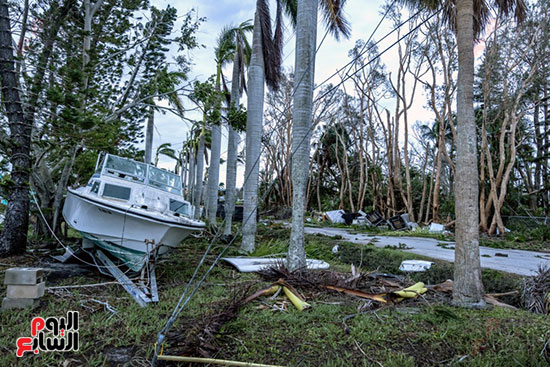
468,18
223,54
265,67
241,57
306,34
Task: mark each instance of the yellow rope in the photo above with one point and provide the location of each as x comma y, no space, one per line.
211,361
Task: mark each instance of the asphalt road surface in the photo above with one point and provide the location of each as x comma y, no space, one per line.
517,261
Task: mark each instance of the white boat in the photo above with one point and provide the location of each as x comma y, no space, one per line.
130,209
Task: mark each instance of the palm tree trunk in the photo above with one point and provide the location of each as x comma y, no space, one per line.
14,235
214,170
306,34
191,176
232,151
184,157
198,177
213,175
149,136
255,110
468,288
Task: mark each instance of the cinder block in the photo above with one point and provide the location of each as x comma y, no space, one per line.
9,303
26,291
27,276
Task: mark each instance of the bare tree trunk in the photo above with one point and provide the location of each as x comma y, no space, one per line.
427,217
424,182
435,203
468,287
61,185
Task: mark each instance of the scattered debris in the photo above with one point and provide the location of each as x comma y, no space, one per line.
335,216
297,300
358,293
397,223
361,220
412,291
400,246
376,219
535,295
119,355
415,265
500,254
436,228
25,287
490,299
446,246
255,264
446,286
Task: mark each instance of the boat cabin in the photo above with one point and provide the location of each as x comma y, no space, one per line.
142,185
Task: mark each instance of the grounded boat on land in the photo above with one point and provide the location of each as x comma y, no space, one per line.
130,209
134,211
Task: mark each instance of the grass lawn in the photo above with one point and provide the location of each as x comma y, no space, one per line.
415,332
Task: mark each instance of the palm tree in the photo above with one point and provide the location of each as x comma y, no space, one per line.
265,66
223,53
306,34
241,57
163,81
468,18
165,149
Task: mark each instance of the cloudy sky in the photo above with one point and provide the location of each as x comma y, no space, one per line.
363,16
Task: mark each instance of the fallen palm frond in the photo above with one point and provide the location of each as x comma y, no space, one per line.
535,295
200,338
358,293
319,280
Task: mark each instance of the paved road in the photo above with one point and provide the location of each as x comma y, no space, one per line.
518,261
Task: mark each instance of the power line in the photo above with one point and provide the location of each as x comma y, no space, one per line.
363,51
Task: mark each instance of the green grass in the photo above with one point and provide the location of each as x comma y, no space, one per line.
413,334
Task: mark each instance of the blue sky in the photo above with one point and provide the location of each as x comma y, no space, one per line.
363,16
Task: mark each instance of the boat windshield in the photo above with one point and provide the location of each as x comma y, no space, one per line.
164,180
180,207
126,167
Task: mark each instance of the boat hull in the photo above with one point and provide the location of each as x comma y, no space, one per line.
126,232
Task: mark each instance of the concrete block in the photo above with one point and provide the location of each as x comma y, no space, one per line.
28,276
26,291
9,303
